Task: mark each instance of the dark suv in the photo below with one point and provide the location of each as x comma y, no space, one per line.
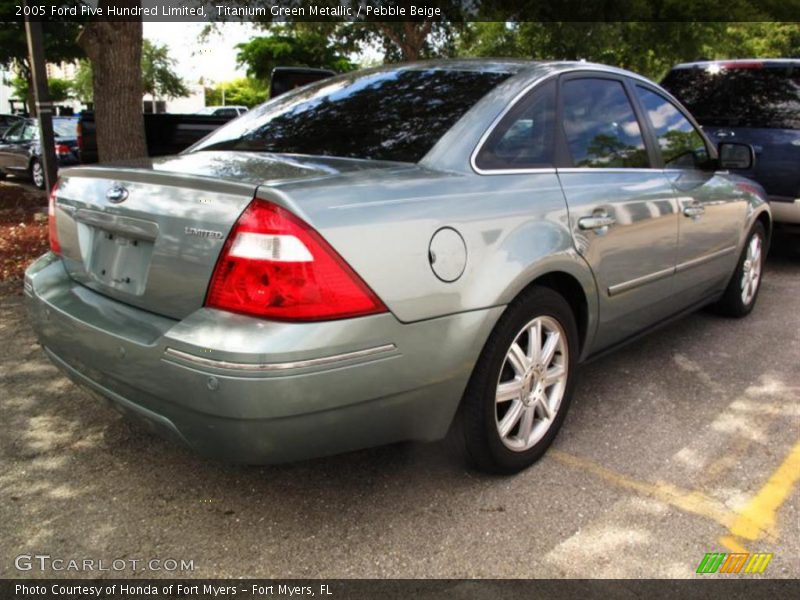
755,102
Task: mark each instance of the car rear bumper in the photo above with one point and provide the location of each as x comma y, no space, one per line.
785,210
253,391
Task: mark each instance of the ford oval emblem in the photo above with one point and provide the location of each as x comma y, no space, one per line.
116,194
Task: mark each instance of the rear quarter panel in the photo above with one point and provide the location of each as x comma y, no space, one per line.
515,228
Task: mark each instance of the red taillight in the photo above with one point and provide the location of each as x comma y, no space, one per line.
55,246
275,265
62,149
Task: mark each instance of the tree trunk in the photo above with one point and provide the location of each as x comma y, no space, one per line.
24,72
115,51
410,40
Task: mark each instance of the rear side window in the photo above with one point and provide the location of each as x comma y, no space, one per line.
600,126
524,137
391,114
748,95
680,143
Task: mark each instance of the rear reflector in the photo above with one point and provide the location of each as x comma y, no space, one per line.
274,265
742,65
55,246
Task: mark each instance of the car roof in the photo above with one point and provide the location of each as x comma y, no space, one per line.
766,62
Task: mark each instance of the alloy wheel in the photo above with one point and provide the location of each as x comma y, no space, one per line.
37,174
532,383
751,270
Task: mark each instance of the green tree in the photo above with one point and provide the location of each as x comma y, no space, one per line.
82,82
59,89
59,45
649,48
300,47
158,77
244,91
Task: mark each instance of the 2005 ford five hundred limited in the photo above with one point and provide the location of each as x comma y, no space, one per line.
395,254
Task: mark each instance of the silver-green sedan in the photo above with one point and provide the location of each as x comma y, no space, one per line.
395,254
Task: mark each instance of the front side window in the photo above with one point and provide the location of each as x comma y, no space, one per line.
524,137
391,114
600,126
15,132
680,143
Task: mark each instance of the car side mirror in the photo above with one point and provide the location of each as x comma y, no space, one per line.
734,155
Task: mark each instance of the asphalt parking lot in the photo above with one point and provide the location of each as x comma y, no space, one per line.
683,443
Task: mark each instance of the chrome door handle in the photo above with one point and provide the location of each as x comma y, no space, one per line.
695,210
597,222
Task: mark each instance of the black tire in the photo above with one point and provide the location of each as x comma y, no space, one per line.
475,433
732,303
38,181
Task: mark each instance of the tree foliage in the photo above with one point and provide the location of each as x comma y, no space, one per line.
649,48
82,82
59,40
158,77
59,44
59,89
244,91
300,47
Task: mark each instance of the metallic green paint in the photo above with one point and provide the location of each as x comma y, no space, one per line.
107,314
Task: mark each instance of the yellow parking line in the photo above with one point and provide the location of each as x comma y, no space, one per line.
759,515
731,544
686,500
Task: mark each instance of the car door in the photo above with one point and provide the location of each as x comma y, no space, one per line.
712,207
623,213
19,151
9,144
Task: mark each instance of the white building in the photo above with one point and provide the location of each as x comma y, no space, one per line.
192,103
5,91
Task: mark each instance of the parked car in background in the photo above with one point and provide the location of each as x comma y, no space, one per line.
756,102
285,79
165,133
223,111
320,276
21,152
6,121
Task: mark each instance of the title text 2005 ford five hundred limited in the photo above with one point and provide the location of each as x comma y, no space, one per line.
395,254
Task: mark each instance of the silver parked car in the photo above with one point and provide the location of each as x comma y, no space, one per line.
395,254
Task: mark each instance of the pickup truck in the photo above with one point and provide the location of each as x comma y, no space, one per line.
166,133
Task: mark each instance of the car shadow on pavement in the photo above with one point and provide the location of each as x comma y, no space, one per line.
77,479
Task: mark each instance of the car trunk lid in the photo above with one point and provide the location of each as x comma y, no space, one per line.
149,233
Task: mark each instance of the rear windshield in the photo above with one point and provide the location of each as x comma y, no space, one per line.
393,115
749,96
65,127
